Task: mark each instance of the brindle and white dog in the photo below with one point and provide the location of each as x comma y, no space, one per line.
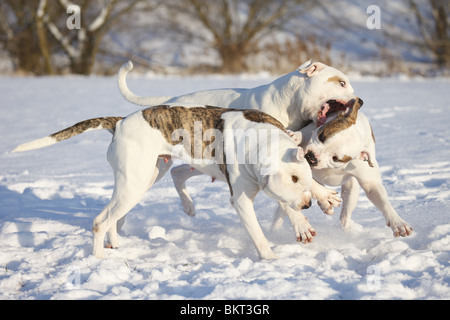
342,153
164,132
308,94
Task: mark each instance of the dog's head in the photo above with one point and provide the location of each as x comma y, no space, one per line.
291,181
327,90
338,141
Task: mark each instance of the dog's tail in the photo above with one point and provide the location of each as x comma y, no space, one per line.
106,123
130,96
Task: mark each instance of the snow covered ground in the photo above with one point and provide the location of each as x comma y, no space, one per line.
49,197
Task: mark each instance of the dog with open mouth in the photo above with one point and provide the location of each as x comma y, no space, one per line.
163,132
331,107
341,152
308,94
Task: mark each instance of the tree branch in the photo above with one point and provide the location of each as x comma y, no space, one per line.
42,37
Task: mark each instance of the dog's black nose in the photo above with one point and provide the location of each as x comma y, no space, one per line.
306,206
311,158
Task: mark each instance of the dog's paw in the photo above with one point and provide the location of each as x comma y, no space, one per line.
326,207
326,198
333,199
268,255
188,207
99,253
329,202
346,222
304,232
350,226
400,227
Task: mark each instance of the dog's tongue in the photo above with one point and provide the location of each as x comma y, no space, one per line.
322,115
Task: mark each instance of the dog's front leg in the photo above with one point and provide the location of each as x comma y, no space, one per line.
377,194
369,178
242,202
304,232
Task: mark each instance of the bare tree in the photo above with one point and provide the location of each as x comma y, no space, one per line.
32,32
234,27
42,38
18,35
434,26
81,44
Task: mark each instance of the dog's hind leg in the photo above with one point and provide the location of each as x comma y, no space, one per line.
134,169
179,176
350,195
125,196
162,166
106,221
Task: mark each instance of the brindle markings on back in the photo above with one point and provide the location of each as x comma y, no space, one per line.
167,119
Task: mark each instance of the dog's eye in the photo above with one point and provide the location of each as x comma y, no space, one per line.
342,83
335,159
294,179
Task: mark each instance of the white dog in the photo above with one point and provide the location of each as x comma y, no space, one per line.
307,94
164,132
342,153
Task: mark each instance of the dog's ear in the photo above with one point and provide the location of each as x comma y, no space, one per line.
298,154
311,69
365,156
304,65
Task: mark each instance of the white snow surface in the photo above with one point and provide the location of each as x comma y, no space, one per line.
49,197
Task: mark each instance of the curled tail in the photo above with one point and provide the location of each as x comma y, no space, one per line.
130,96
106,123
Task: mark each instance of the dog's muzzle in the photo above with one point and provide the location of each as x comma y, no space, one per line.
311,158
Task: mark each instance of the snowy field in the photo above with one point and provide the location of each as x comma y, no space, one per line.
49,197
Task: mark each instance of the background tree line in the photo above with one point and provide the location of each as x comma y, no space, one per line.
227,36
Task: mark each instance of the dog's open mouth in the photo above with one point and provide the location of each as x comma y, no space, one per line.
331,106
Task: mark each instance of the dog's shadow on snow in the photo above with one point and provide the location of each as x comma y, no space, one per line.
23,210
215,228
23,215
